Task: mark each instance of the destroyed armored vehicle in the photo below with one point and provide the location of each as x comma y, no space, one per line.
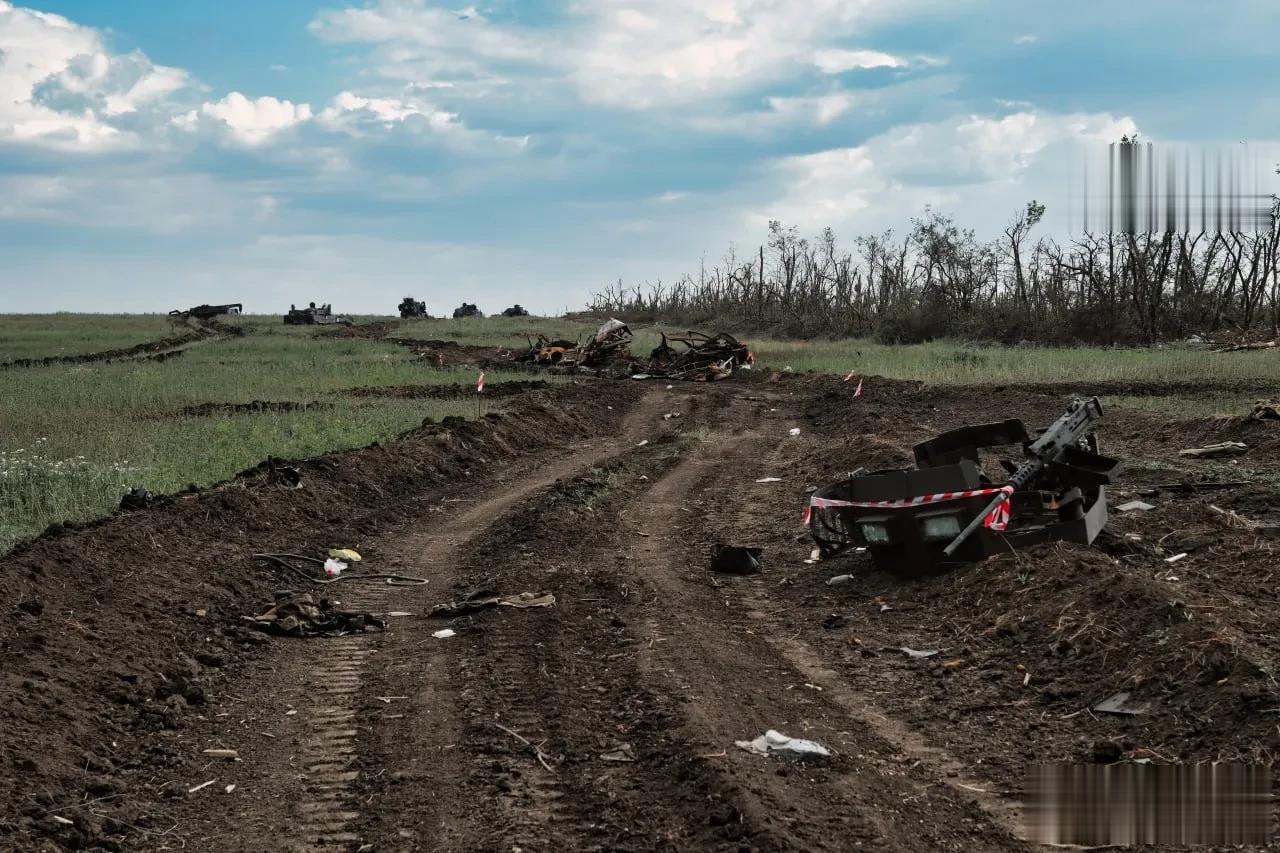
411,308
466,309
205,312
516,310
948,509
315,316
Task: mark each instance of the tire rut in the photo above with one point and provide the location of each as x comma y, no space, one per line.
717,649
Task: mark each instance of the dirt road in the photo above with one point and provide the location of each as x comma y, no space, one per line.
608,721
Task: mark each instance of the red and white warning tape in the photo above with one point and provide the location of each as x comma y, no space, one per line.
997,519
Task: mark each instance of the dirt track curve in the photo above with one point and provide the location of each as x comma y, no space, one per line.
608,721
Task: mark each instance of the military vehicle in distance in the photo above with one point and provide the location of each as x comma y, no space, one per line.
466,310
411,308
516,310
315,316
205,312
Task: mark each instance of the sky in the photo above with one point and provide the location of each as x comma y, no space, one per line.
157,155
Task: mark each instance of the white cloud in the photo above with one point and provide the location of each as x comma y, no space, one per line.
1026,39
978,166
61,88
247,121
621,53
352,113
835,61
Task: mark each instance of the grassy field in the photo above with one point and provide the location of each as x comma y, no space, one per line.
73,438
44,335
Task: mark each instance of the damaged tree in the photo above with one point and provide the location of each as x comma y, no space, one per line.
947,509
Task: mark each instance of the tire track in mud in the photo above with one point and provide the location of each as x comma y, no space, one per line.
720,648
400,668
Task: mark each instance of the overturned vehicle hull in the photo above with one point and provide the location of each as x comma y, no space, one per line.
947,509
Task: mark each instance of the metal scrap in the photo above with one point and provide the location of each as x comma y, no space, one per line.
1215,451
299,615
699,357
482,599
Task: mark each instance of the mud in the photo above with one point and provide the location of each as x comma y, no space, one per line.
449,392
254,407
608,720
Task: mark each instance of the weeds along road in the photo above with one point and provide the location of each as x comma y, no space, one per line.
608,721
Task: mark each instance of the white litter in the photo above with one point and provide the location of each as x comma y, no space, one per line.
1176,557
840,580
795,430
643,443
1135,505
333,568
769,480
776,743
445,634
917,654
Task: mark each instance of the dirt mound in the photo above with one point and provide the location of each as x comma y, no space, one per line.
255,407
449,392
365,331
150,349
116,634
453,354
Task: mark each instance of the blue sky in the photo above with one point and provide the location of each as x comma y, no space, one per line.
156,155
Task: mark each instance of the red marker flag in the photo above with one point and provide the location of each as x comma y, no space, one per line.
850,375
480,383
857,392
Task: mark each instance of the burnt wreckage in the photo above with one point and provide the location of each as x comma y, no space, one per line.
946,509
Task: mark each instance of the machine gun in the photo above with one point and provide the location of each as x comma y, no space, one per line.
946,508
1053,447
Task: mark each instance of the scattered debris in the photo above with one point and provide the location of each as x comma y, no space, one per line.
1266,410
946,508
201,786
535,748
621,754
482,599
228,789
1134,505
916,654
1231,518
1176,557
1251,346
333,568
840,580
298,615
286,476
229,754
445,634
776,743
1216,451
347,554
736,560
795,431
1120,704
135,499
834,621
610,346
705,358
769,480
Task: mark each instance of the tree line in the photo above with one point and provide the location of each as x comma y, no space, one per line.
939,280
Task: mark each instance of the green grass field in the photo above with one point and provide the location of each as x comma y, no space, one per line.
73,438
